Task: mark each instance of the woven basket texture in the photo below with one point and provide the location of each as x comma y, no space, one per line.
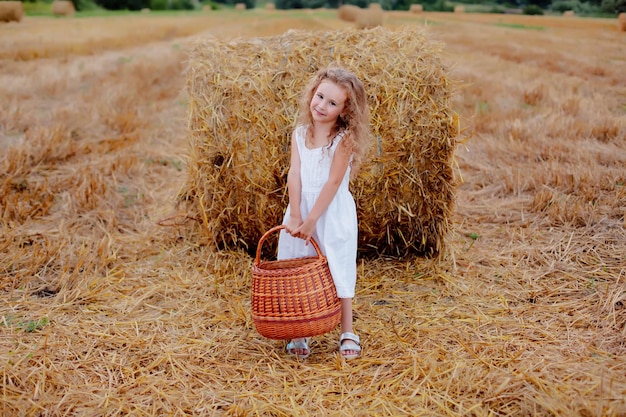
293,298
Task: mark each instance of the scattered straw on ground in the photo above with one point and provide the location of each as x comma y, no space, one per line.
104,312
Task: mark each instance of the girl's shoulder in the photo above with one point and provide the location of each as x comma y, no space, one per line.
339,136
300,130
300,135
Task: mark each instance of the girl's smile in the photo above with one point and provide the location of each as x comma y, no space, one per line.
328,102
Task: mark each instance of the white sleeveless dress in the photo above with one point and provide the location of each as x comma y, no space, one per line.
336,230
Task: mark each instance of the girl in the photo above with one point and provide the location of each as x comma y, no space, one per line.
330,140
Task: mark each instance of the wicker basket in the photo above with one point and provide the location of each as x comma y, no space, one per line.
293,298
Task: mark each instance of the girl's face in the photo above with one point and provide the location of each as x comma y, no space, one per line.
328,102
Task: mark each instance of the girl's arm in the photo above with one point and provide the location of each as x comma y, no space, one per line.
294,188
341,160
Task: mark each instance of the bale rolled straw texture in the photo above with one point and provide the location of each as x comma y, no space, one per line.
459,9
621,22
348,12
369,18
63,8
568,13
416,8
240,6
11,11
243,98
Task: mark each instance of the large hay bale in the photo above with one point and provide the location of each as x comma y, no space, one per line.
348,12
240,6
459,9
621,22
416,8
270,6
569,13
369,18
63,8
11,11
243,98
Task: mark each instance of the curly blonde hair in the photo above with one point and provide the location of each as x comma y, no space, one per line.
354,123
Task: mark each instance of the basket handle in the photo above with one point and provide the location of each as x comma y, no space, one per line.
257,260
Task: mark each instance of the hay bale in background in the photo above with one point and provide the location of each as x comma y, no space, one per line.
621,22
348,12
459,9
243,98
568,13
63,8
270,6
370,17
11,11
416,8
240,6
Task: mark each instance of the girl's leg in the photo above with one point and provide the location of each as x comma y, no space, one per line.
346,315
346,327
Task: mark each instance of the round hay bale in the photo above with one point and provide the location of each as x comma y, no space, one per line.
240,6
416,8
459,9
145,10
568,13
11,11
207,8
348,12
369,18
243,100
270,6
63,8
621,22
375,6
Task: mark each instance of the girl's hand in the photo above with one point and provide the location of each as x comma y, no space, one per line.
292,225
305,231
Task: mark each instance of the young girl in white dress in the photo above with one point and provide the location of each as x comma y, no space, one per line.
329,143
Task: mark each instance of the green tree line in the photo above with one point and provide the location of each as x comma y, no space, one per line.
580,7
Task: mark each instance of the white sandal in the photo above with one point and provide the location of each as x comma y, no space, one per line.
352,342
295,345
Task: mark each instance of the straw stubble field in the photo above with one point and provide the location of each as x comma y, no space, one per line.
112,306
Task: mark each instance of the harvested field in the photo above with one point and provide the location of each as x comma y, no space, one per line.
112,306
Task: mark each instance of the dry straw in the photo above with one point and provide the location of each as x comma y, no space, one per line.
621,22
568,13
11,11
104,313
63,8
459,9
240,6
242,103
348,12
371,17
416,8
